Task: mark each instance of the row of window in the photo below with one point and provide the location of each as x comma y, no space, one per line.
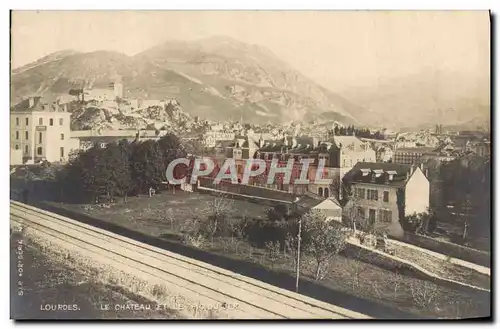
39,150
370,194
384,216
26,135
324,192
282,157
40,121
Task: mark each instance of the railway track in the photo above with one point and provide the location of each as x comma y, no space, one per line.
195,281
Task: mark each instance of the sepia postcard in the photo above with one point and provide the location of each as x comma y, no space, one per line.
250,165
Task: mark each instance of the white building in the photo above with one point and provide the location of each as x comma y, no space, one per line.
41,131
383,193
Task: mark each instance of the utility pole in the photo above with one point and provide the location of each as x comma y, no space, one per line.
298,256
298,244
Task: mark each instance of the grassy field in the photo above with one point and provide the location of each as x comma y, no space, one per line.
48,281
165,215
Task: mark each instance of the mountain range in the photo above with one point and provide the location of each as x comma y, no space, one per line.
220,78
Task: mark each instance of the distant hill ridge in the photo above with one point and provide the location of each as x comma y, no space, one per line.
216,78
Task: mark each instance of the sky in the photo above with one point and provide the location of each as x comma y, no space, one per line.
338,49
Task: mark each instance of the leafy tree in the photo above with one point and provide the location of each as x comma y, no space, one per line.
96,175
322,239
147,166
116,157
171,148
193,147
417,222
466,184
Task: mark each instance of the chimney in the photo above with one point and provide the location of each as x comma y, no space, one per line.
31,101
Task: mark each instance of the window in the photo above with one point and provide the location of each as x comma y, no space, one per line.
51,122
17,134
385,216
60,121
327,192
360,193
39,151
62,137
17,121
62,152
17,147
26,150
40,137
386,196
27,121
371,216
361,212
372,195
320,191
26,135
40,121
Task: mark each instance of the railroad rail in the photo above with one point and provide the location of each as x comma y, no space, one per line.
196,281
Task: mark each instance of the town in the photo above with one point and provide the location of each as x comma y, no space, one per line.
402,186
291,174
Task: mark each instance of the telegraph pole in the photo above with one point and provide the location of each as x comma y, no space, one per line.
298,245
298,256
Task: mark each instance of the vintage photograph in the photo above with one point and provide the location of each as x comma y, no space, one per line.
250,165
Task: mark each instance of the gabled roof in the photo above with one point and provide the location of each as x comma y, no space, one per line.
366,172
349,142
307,202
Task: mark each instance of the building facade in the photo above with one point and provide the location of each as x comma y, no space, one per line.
41,131
384,193
411,155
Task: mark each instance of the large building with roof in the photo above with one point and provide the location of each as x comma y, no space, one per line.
384,193
41,131
340,154
410,155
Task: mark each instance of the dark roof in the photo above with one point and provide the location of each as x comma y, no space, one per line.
24,105
309,200
224,143
280,147
415,149
399,173
39,105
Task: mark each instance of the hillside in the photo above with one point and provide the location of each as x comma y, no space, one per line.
98,115
216,78
426,99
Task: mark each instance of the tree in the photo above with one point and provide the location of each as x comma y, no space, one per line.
96,173
193,147
217,210
338,189
116,157
417,223
336,130
147,166
171,147
322,239
126,186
